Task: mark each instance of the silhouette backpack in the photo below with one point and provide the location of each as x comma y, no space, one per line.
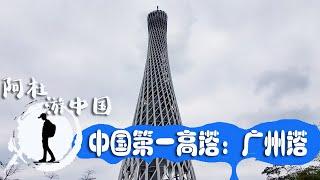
51,129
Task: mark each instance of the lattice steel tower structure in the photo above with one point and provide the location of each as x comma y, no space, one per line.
157,106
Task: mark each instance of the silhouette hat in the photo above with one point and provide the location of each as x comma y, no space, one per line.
43,116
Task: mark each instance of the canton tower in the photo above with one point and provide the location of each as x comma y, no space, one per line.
157,106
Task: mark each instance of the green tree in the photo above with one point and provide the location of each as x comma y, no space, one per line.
311,172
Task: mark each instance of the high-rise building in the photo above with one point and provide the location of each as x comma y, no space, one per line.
157,106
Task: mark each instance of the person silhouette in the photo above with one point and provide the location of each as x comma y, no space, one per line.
48,131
